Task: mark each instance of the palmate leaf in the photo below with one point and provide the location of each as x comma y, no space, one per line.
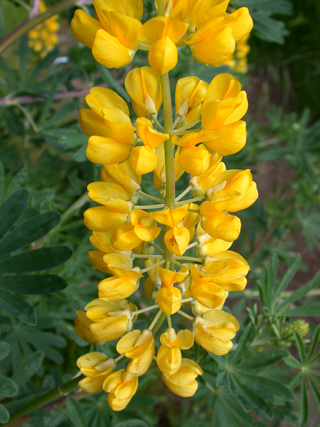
12,267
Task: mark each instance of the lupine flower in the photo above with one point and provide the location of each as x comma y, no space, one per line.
43,38
125,232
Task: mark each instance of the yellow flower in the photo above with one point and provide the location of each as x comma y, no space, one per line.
204,288
225,104
194,160
231,278
110,319
205,180
190,93
215,331
113,37
43,37
142,228
106,218
96,367
81,326
121,386
168,297
161,33
215,39
209,246
121,286
169,354
144,87
123,175
140,348
183,382
97,261
219,225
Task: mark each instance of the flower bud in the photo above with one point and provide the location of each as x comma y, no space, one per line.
96,367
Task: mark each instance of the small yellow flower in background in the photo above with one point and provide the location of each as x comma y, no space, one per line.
208,124
43,38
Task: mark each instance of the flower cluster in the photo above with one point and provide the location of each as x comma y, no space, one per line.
43,37
207,126
203,25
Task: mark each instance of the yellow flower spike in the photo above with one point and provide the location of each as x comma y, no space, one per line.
169,354
215,331
100,98
177,240
190,93
183,382
195,160
144,87
101,218
97,261
81,326
149,136
219,225
107,151
124,238
234,277
96,367
121,386
171,217
143,159
145,226
116,288
205,290
168,297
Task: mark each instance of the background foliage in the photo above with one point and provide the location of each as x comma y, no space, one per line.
272,377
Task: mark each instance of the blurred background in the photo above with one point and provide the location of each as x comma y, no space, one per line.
45,74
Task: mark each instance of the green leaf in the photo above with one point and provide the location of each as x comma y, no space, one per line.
28,368
300,346
262,361
8,387
42,65
241,416
32,284
315,390
30,231
298,294
293,362
12,209
304,405
4,350
275,387
314,344
77,414
39,259
60,115
257,403
289,274
245,341
4,414
1,182
17,180
312,311
47,104
131,423
18,307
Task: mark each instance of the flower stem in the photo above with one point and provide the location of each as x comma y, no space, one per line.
154,321
48,397
194,199
169,321
150,206
157,247
157,264
146,256
188,258
196,243
184,193
185,315
155,199
143,310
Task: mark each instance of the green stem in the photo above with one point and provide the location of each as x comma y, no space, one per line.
152,266
194,199
155,199
188,258
184,193
182,313
149,206
52,395
146,256
28,24
144,310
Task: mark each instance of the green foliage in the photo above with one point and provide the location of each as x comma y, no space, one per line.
273,369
